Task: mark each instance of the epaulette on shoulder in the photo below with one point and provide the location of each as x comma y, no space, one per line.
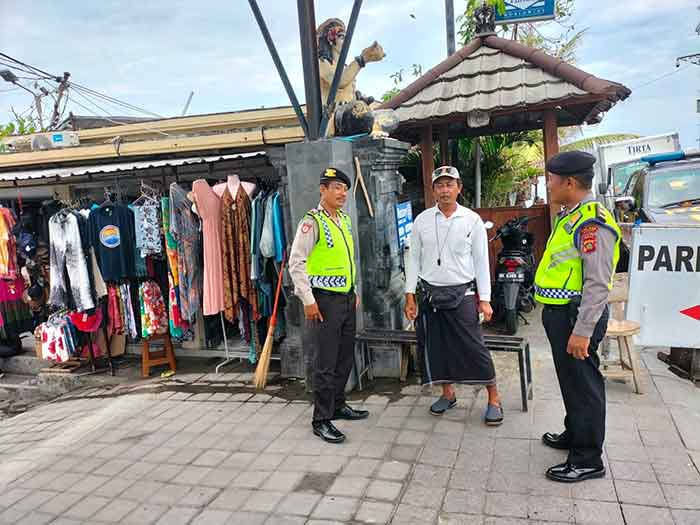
600,212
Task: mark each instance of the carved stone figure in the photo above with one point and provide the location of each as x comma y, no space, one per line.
485,19
352,113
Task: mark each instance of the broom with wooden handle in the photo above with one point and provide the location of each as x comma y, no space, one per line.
263,367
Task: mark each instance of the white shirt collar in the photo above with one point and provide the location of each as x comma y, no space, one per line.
461,211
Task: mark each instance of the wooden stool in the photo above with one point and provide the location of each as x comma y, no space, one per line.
629,360
622,330
157,357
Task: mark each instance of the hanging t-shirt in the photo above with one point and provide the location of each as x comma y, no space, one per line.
111,230
278,228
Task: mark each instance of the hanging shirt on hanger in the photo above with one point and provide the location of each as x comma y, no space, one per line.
8,247
111,230
185,227
267,239
280,239
67,260
171,246
154,316
147,228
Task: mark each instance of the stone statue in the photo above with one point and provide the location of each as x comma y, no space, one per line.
352,113
485,20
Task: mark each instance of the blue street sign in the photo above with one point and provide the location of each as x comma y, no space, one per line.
526,11
404,222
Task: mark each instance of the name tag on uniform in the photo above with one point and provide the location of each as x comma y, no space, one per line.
569,226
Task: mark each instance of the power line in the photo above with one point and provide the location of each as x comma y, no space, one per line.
108,114
21,69
670,73
49,75
113,100
79,86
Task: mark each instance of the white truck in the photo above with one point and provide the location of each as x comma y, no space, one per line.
615,163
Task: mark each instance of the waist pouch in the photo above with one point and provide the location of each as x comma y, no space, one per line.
446,297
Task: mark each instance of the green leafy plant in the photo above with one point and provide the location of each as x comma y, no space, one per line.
21,126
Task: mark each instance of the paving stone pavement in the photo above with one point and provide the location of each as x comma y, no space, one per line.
161,457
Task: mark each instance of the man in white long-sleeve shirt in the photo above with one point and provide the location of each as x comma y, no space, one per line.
448,261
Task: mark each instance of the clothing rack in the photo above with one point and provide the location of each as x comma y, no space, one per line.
61,312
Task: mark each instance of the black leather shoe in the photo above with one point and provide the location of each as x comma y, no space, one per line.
570,473
327,432
558,441
346,412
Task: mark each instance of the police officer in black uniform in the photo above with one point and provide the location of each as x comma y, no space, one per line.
573,281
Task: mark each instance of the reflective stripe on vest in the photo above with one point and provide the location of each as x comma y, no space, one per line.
559,276
330,264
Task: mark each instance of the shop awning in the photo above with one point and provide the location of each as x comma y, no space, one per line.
57,174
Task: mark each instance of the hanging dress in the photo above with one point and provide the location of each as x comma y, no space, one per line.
185,228
209,208
235,249
173,274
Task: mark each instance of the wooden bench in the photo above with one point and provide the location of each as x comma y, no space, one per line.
404,339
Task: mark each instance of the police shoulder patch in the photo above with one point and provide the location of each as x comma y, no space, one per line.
306,227
589,238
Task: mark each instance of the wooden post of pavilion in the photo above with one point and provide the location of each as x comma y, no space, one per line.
444,147
428,164
551,148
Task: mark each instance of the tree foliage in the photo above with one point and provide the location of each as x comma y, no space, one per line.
21,126
512,162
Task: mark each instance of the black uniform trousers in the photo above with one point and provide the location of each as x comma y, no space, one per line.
581,383
332,343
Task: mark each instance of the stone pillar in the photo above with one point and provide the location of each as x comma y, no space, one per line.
380,278
303,163
381,268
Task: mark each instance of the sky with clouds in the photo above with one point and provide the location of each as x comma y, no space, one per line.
153,53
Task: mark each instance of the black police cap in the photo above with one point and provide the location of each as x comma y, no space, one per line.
577,164
330,174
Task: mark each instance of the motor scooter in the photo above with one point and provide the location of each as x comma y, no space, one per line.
515,273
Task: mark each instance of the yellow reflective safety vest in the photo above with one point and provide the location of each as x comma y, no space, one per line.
331,264
559,276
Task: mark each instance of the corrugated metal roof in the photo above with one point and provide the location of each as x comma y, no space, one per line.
117,167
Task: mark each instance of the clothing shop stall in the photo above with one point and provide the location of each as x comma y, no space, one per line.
98,261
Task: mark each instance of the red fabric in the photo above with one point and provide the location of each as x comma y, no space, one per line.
87,323
115,324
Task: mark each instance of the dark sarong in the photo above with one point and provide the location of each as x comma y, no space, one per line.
451,347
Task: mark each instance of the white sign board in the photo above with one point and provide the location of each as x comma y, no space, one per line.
664,295
635,149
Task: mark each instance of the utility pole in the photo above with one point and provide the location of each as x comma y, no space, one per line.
9,76
187,104
62,87
450,26
693,58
